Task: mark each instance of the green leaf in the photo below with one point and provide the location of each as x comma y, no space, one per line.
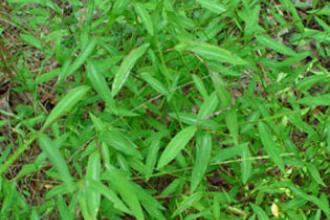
100,85
63,209
105,191
145,17
125,188
315,100
324,205
270,146
211,52
221,91
212,5
93,172
208,107
268,42
232,124
227,153
176,145
66,104
260,212
120,142
188,202
125,68
246,165
83,204
226,102
53,153
152,156
200,86
32,40
80,60
314,172
149,203
203,154
155,84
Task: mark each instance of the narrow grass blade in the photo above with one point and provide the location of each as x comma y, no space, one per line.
120,142
211,52
93,172
221,91
187,203
315,100
270,146
99,83
55,156
63,209
32,40
125,188
227,153
125,68
246,165
145,17
268,42
213,6
155,84
322,204
66,104
209,106
81,59
203,154
232,124
314,172
149,203
200,86
176,145
152,156
109,194
259,212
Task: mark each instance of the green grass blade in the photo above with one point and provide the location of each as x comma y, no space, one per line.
93,172
270,146
315,100
246,164
120,142
176,145
211,52
155,84
109,194
268,42
66,104
125,188
213,6
100,85
125,68
85,54
208,107
145,17
53,153
203,155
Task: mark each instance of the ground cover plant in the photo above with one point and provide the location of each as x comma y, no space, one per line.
164,109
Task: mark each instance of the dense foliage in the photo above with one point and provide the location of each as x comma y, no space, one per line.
164,109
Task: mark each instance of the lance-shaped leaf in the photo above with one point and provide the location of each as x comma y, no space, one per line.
268,42
126,189
66,104
145,17
125,68
99,83
270,146
211,52
56,158
176,145
203,154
